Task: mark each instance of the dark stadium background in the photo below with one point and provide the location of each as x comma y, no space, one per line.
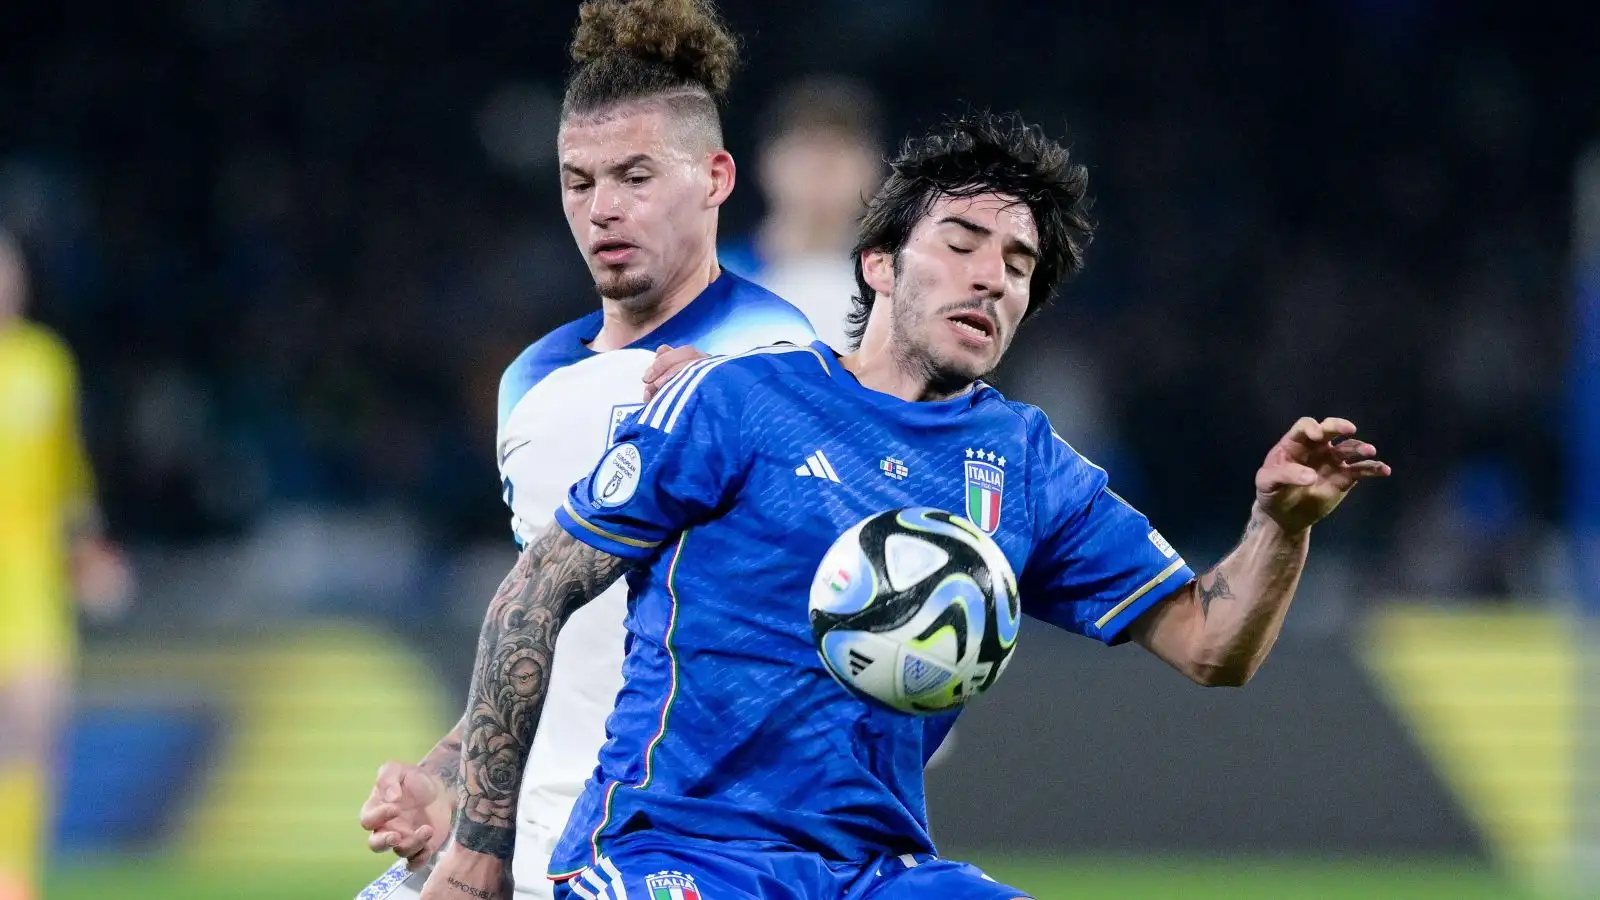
293,244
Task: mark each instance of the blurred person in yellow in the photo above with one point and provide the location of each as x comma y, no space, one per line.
50,545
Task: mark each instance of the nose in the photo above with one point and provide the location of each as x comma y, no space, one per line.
605,206
988,273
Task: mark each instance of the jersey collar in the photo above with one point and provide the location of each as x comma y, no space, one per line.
684,326
922,411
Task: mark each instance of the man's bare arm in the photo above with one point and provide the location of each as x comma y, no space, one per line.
555,575
1220,627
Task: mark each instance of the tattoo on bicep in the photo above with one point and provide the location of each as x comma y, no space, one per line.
1218,589
554,575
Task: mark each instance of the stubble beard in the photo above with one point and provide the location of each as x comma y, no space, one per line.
913,350
634,293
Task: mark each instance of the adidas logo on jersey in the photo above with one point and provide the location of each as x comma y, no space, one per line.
817,466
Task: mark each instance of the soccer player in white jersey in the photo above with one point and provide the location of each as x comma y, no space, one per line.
643,174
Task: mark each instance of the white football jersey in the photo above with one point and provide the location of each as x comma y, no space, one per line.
820,287
560,405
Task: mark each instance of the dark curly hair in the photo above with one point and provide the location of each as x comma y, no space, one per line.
974,154
674,50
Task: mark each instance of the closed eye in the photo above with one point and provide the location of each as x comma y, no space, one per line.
962,250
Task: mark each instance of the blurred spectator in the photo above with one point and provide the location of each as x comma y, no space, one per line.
51,547
820,157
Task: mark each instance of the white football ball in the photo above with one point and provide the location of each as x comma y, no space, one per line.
916,609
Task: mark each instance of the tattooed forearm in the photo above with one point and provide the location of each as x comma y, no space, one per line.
444,760
555,575
1217,589
469,890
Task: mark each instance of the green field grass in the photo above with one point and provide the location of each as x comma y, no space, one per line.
1130,879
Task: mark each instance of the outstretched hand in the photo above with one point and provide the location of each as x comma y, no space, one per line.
1311,469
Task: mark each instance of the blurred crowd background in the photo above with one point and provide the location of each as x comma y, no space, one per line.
293,245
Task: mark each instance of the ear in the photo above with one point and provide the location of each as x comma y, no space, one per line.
723,175
877,267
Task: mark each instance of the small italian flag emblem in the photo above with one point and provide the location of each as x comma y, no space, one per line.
985,485
840,581
672,886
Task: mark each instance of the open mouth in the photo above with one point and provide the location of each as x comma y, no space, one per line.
611,249
974,323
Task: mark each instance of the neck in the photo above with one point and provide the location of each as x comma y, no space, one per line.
623,325
879,368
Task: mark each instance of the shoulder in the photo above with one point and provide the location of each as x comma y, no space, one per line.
1060,463
558,348
748,316
727,382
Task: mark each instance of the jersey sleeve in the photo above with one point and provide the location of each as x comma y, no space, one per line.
519,464
1097,563
674,464
516,457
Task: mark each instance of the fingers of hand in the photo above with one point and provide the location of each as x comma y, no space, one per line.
381,841
1353,451
657,365
414,843
1334,427
1310,432
1286,475
1306,431
375,815
1368,468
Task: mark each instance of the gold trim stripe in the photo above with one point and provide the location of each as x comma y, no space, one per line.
1145,589
631,542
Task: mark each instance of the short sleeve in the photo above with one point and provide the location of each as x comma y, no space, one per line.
674,464
1097,563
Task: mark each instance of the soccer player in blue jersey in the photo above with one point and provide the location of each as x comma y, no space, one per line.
736,767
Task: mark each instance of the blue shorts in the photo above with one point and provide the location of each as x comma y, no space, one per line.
654,866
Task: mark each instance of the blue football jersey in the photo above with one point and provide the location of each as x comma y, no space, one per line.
728,488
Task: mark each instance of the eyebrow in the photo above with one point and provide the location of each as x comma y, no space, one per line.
1016,244
623,166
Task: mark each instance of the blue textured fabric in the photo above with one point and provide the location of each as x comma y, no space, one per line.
728,489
